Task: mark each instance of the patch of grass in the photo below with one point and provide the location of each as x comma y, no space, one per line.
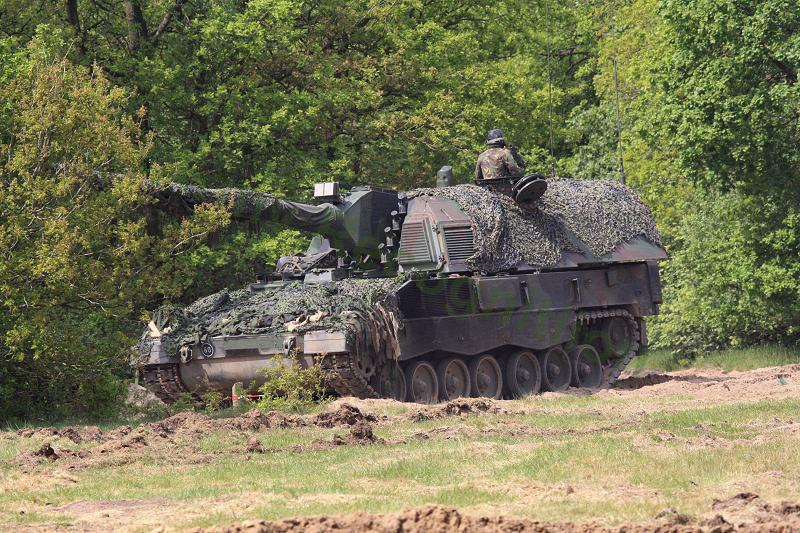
9,449
604,448
727,421
740,359
30,518
750,358
660,360
463,496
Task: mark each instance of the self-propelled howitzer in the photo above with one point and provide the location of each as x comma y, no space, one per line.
426,295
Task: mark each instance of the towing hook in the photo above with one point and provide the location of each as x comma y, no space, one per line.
186,353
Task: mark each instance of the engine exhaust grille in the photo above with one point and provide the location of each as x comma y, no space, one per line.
414,245
459,242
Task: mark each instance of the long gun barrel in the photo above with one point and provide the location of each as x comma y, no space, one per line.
250,205
353,224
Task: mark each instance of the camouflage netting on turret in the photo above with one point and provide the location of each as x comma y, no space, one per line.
280,309
573,215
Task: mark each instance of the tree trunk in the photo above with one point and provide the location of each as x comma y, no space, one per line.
137,26
72,15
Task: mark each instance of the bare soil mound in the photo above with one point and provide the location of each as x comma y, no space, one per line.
742,513
76,434
360,434
421,520
714,385
186,428
187,422
46,452
746,509
458,407
255,420
343,415
645,380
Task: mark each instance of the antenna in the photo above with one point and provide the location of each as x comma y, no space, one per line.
619,124
621,159
553,171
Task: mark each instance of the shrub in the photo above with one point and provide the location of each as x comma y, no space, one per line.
733,278
213,401
291,387
77,260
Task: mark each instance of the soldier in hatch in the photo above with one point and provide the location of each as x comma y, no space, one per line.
498,162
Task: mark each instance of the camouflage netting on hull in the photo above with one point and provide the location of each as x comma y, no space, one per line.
572,216
280,309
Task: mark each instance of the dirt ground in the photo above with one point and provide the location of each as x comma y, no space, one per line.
84,478
742,512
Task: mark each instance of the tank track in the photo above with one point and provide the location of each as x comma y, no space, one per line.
372,338
616,368
346,380
164,382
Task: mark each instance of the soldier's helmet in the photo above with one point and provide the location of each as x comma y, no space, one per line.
495,138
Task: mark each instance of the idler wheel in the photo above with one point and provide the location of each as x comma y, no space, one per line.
421,382
587,370
616,334
392,382
486,378
523,374
556,369
454,379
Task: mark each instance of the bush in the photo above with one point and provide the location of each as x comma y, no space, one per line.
292,388
213,402
78,263
733,278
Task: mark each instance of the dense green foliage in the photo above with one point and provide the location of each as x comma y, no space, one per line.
77,260
293,388
733,276
731,109
277,94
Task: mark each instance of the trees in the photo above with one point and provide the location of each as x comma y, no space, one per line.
733,96
77,262
710,105
278,94
727,284
732,110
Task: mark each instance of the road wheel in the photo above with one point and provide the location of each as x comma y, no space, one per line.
556,369
486,379
617,335
587,371
392,382
421,383
454,379
523,374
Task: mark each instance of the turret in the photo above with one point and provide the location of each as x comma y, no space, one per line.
449,230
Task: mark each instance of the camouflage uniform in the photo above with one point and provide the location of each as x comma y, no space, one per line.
497,163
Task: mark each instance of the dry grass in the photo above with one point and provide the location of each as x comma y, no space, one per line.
612,457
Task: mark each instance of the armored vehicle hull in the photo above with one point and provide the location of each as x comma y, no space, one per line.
447,312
